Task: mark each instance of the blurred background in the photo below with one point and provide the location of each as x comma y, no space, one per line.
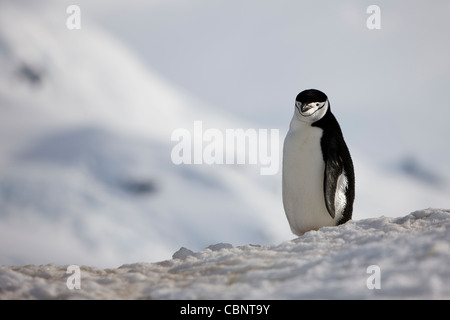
86,118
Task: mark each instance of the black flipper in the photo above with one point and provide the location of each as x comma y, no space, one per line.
333,169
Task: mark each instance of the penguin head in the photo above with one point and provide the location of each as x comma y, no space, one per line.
311,105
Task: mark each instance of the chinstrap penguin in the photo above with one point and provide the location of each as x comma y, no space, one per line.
318,175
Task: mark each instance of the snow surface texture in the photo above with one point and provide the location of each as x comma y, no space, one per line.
411,252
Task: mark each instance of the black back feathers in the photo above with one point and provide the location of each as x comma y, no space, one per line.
337,161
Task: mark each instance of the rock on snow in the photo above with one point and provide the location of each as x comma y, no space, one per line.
411,255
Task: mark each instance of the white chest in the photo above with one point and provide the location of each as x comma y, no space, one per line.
303,178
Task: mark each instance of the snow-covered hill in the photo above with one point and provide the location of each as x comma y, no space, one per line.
85,154
379,258
85,142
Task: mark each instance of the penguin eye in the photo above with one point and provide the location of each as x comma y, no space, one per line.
317,104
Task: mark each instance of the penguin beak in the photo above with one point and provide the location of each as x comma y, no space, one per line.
306,107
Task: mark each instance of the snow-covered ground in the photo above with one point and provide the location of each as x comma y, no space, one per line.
379,258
